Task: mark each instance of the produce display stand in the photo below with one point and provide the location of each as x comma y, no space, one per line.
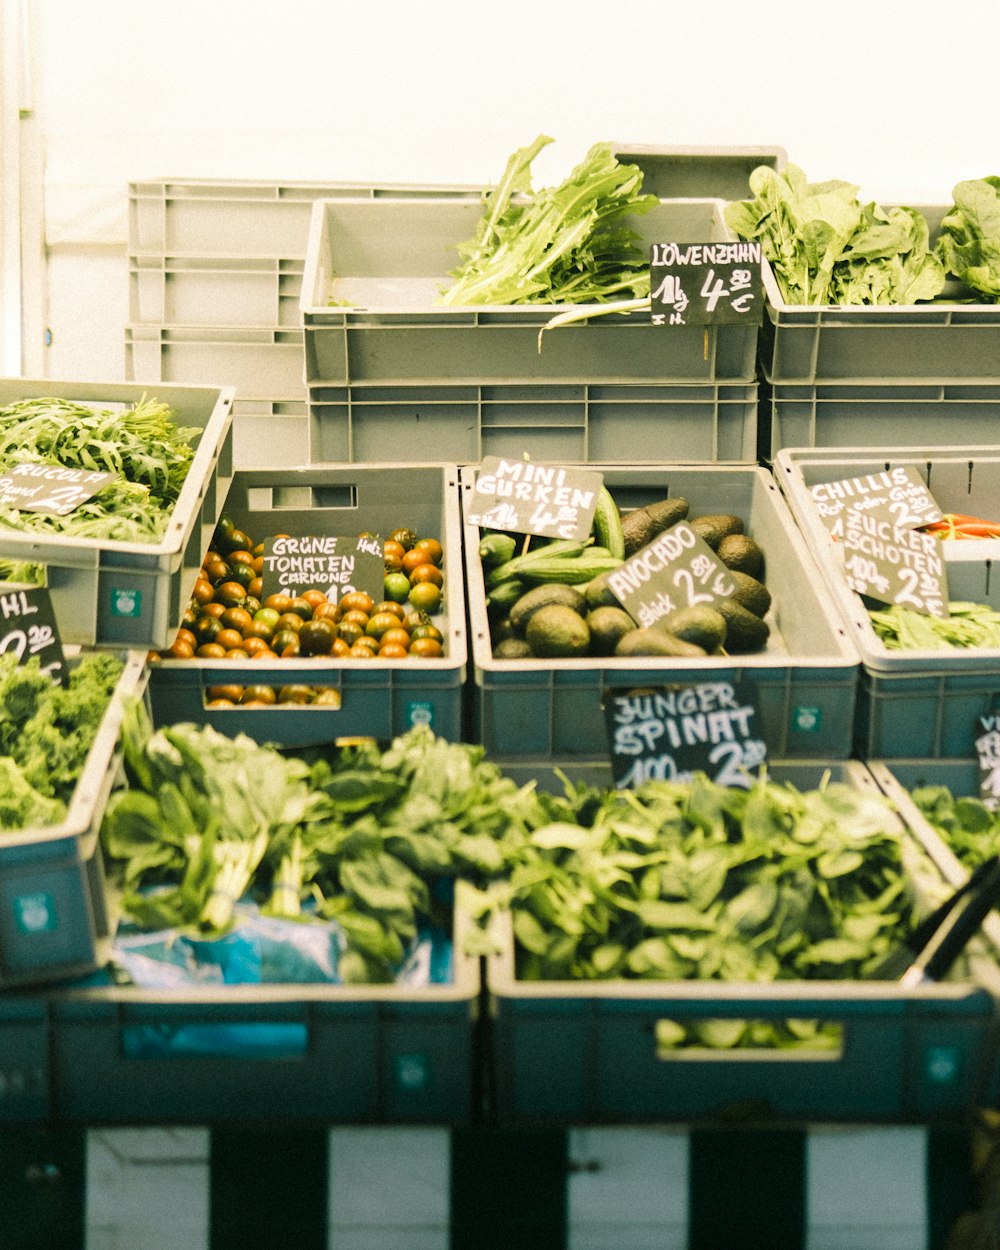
107,592
378,698
802,685
913,703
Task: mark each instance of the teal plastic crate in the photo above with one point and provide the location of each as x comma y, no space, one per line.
55,918
906,1055
686,172
373,270
107,592
802,686
952,339
558,422
914,703
362,1054
379,698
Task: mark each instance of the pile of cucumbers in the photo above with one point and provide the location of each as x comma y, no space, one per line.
551,599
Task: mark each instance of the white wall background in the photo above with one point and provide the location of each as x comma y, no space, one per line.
898,97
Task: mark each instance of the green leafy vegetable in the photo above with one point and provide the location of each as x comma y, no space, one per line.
825,247
969,242
568,244
968,826
966,625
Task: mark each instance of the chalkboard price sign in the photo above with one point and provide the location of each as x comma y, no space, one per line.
678,569
898,495
674,732
528,498
28,628
332,563
987,746
49,488
892,564
705,284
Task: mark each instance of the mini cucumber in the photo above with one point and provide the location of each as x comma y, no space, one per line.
496,548
607,525
516,567
574,570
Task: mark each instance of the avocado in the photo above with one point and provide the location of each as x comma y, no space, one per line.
744,631
715,526
656,642
599,594
501,630
752,594
641,525
525,607
512,649
740,551
557,631
607,625
700,624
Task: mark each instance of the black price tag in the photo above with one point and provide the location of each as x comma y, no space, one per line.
699,284
674,732
678,569
49,488
332,563
898,495
28,628
530,498
894,565
987,744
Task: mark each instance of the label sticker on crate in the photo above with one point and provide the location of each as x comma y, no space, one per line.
678,569
894,565
705,283
987,744
335,564
529,498
28,628
671,733
898,495
49,488
36,913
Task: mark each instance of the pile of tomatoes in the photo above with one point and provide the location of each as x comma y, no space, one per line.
228,620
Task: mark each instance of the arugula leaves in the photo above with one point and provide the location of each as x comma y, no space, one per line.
825,247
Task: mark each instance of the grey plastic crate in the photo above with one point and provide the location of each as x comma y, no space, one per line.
259,363
215,291
108,592
698,172
556,422
953,339
193,217
54,914
914,703
24,1067
271,431
868,414
373,270
360,1054
802,685
905,1055
379,698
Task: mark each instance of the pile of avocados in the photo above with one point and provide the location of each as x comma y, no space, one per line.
560,620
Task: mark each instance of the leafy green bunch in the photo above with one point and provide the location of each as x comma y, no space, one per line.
968,826
826,247
567,244
969,242
46,732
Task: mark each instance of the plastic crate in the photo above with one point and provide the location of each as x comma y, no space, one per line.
54,920
272,429
268,1053
215,291
899,343
194,217
260,364
693,172
108,592
849,414
802,685
379,698
905,1054
568,422
914,703
383,262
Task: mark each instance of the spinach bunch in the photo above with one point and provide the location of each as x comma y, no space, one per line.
568,244
969,242
826,247
968,826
